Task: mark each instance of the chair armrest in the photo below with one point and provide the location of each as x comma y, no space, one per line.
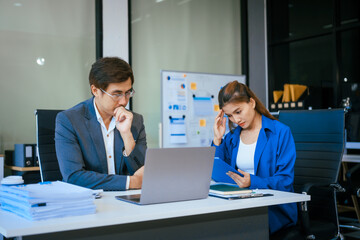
309,185
336,186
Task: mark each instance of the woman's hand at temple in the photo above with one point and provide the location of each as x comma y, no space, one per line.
219,127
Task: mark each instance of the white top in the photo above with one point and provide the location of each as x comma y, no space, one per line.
108,136
245,157
110,211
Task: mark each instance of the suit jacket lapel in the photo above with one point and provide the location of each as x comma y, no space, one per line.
267,128
96,135
260,145
235,141
118,149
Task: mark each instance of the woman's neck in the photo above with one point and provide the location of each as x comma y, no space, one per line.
250,134
256,123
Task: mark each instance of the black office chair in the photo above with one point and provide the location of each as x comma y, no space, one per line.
45,139
319,140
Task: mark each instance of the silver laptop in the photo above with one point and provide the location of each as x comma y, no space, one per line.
175,174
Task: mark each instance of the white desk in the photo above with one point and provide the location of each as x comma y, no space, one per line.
351,158
115,219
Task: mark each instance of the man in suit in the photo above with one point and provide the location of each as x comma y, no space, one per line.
99,143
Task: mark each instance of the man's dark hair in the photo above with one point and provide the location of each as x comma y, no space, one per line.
110,70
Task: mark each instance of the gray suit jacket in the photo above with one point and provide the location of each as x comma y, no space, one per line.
80,149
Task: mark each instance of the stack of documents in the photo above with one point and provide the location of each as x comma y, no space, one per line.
47,200
231,192
227,190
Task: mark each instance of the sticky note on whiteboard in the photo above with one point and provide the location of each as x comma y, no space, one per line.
216,107
202,122
193,86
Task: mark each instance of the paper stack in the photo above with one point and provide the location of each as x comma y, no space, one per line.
227,190
47,200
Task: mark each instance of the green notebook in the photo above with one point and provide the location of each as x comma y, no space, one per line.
226,189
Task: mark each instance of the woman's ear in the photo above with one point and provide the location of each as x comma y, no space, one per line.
253,103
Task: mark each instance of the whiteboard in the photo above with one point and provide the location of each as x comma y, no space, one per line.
189,105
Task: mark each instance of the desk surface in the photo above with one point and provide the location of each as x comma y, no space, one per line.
22,169
351,158
113,212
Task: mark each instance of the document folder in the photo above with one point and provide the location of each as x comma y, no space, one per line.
220,169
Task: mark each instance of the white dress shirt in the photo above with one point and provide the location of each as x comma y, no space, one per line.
108,136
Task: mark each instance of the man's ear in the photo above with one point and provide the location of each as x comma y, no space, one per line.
94,90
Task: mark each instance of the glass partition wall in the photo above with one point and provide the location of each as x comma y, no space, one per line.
316,43
46,51
183,35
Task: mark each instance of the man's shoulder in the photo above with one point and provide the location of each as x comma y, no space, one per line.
137,118
79,110
137,115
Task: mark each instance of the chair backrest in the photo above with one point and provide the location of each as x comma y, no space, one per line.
45,139
319,137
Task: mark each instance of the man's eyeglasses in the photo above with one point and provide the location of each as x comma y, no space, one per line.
118,97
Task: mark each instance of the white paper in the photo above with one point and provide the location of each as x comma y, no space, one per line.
203,106
47,200
28,151
178,131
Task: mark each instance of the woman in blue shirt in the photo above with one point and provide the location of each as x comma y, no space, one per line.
259,146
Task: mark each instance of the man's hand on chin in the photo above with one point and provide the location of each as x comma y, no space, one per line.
123,119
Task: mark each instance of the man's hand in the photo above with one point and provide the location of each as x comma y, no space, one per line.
123,119
136,179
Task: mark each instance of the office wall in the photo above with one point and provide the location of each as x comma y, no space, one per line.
258,72
183,35
46,51
115,36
